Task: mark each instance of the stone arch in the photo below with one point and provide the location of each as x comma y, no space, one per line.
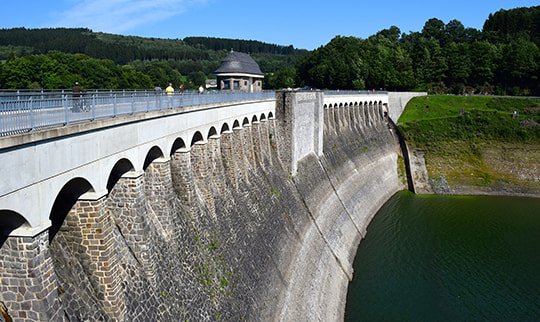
224,128
211,132
154,153
346,104
254,119
335,105
120,168
245,122
65,200
270,115
9,221
325,106
236,124
196,138
356,104
177,145
340,104
262,118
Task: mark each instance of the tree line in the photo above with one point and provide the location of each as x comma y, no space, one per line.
66,52
503,58
246,46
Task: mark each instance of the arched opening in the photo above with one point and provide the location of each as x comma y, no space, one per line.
211,132
254,119
245,122
177,145
197,137
224,128
356,104
236,124
154,153
9,221
270,115
325,106
340,104
335,105
263,117
121,167
65,200
346,105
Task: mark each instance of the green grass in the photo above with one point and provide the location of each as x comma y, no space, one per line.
442,106
474,140
430,120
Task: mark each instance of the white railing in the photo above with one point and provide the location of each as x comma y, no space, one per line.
20,113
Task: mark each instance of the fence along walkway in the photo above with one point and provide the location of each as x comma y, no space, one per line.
29,112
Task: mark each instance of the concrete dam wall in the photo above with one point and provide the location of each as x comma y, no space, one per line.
260,222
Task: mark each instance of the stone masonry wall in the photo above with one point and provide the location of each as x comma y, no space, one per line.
223,231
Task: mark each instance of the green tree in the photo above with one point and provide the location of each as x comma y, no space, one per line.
459,66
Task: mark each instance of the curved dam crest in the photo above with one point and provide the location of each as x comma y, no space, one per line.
259,222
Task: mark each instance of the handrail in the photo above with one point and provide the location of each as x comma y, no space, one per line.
31,112
351,92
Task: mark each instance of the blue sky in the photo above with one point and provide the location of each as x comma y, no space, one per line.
304,24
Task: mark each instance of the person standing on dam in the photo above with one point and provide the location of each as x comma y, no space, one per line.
170,92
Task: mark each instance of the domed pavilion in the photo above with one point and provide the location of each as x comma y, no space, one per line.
239,72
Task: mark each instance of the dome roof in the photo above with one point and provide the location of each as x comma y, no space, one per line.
239,63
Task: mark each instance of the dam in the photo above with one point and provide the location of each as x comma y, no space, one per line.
247,210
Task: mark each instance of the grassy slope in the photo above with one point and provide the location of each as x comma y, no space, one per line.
475,142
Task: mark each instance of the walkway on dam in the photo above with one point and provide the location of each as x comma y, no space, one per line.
25,112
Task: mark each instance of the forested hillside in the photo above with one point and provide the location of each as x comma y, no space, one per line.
503,58
53,58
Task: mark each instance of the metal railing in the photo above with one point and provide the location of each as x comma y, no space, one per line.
350,92
25,112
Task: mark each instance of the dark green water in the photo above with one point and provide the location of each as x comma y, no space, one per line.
441,258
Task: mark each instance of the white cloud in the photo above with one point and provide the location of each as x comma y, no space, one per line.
117,16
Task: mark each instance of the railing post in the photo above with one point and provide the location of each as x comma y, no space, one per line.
31,113
114,105
93,107
64,105
132,105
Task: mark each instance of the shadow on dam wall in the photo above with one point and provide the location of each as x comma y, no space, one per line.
256,223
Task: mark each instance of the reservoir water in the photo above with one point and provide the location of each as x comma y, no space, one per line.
448,258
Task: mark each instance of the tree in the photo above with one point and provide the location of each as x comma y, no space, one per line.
455,31
338,65
435,28
284,78
517,73
483,58
459,66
